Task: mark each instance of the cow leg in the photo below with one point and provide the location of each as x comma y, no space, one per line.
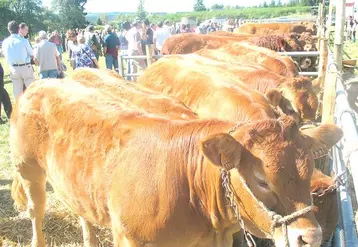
89,236
34,184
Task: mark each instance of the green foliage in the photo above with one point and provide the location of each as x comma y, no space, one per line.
99,22
141,13
265,5
71,13
217,6
239,13
199,6
103,18
6,15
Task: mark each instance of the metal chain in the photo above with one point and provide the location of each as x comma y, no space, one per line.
229,194
277,219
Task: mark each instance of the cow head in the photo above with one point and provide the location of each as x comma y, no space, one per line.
276,163
292,41
300,93
325,203
277,100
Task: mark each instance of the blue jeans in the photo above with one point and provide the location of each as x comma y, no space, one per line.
48,74
111,61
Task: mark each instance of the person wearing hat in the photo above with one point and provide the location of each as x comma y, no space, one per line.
47,57
135,47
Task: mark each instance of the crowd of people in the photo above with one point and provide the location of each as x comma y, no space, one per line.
85,47
351,27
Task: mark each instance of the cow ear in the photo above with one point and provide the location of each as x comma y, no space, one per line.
323,138
274,96
222,150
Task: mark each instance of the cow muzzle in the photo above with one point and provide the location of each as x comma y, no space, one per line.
311,237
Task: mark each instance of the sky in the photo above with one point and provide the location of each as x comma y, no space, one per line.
99,6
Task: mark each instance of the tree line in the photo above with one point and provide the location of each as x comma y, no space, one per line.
61,15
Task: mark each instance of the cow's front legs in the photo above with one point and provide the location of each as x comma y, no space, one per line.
89,235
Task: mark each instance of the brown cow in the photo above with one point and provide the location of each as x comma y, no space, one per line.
275,42
325,209
241,53
186,43
274,28
297,90
207,91
150,101
158,182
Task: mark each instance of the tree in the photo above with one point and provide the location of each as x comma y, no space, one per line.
28,11
141,13
199,5
6,15
279,3
71,13
265,5
99,22
273,3
217,6
104,18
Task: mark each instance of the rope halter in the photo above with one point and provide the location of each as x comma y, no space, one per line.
277,220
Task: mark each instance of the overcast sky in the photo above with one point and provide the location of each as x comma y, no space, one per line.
157,5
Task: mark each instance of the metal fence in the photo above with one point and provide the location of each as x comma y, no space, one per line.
345,158
123,58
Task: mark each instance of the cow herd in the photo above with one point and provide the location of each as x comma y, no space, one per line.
205,149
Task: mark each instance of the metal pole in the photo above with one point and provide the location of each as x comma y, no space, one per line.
339,32
349,238
345,116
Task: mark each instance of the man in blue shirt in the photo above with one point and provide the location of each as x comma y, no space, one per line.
18,54
110,49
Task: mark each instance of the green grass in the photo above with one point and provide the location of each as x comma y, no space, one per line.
61,227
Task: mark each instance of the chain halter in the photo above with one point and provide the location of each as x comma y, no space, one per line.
276,219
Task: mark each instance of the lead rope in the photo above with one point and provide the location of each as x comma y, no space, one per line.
276,218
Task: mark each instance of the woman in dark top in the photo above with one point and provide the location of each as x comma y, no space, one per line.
4,96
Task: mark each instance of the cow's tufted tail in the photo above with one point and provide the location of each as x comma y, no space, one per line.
18,193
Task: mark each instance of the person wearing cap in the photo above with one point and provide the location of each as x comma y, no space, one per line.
18,54
135,47
110,48
47,57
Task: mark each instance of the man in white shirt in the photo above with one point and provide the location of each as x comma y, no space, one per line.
135,47
18,54
160,35
47,57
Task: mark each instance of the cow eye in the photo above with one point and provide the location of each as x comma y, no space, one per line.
263,185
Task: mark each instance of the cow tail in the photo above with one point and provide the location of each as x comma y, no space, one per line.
18,193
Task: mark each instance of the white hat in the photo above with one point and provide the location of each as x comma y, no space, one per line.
43,34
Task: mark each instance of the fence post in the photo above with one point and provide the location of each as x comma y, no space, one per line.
323,52
150,52
120,65
329,96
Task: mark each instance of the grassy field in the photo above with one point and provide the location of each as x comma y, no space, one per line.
61,228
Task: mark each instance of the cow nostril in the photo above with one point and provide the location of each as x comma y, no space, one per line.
301,241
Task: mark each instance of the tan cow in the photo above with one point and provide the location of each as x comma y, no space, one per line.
297,90
186,43
158,182
207,91
245,54
274,28
150,101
